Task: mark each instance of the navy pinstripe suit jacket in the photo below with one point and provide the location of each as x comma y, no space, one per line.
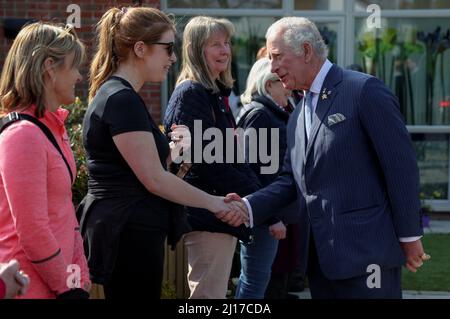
357,179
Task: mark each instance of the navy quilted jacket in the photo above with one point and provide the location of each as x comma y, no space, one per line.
192,101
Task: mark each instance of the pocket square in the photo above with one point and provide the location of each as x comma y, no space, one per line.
335,118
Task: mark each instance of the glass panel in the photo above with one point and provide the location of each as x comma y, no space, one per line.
412,56
249,38
332,5
361,5
432,157
226,4
329,33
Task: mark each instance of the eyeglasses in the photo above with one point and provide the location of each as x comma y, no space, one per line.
169,48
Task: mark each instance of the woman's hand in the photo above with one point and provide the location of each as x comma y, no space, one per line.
180,136
180,142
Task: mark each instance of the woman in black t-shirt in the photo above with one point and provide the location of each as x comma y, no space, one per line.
125,216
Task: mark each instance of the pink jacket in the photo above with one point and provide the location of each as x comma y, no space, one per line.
38,226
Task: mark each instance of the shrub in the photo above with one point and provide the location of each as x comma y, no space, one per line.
74,129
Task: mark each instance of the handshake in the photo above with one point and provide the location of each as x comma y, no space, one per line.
230,209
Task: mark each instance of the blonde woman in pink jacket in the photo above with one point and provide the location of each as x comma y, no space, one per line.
38,226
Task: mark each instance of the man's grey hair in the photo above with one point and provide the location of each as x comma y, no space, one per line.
259,75
296,31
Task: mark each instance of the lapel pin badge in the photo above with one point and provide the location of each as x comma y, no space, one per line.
325,93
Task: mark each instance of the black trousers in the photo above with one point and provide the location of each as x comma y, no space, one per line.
277,287
138,270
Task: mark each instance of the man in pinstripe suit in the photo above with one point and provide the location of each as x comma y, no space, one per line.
351,163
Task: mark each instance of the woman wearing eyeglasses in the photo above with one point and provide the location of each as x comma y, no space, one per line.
38,227
125,216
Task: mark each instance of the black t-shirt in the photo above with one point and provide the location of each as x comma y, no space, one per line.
109,115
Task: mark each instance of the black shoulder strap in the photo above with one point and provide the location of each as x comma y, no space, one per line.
248,113
14,117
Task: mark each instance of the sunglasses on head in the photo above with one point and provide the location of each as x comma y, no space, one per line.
169,46
67,29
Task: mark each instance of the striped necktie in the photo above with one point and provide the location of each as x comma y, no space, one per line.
308,112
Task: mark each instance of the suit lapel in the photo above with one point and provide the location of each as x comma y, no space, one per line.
330,89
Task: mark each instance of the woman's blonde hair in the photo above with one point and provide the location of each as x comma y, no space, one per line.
194,66
22,79
117,32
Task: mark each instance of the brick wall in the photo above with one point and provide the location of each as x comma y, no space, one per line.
91,11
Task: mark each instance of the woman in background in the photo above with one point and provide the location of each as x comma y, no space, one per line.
265,100
201,95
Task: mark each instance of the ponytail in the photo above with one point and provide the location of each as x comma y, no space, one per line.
105,60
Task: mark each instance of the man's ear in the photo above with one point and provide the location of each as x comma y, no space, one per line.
139,49
308,51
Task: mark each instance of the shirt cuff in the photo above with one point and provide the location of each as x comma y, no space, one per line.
250,213
409,239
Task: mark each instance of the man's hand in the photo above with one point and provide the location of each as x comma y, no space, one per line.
415,256
278,230
237,201
16,281
238,204
230,213
233,197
